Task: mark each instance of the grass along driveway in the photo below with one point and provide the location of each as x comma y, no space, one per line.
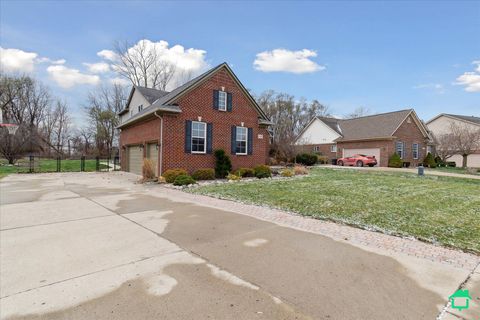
442,210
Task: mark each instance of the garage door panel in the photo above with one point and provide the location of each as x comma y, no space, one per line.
135,159
366,151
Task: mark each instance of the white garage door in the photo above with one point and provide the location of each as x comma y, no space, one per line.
135,159
368,152
473,160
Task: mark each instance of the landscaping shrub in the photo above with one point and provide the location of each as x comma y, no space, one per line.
183,180
233,177
298,170
308,159
429,161
204,174
148,170
172,174
287,173
223,165
322,159
245,172
262,171
394,161
161,180
439,162
452,164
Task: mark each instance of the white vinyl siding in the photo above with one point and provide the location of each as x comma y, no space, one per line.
241,142
222,101
199,137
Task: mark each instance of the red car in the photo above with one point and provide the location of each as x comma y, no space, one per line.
358,160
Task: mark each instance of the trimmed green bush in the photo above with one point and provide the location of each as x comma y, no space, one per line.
262,171
287,173
223,165
233,177
245,172
204,174
307,159
429,161
171,174
452,164
395,161
183,180
439,162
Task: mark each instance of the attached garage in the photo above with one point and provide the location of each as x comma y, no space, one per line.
473,160
366,151
135,159
152,154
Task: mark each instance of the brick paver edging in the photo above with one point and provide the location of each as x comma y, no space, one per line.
369,239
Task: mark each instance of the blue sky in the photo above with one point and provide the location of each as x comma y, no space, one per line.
381,55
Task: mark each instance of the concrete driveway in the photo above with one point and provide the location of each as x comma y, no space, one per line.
99,246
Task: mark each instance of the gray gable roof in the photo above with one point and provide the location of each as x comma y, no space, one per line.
374,126
151,94
466,118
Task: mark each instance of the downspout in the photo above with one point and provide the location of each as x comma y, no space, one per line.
161,143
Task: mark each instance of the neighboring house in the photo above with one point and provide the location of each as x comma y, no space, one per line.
182,128
378,135
441,125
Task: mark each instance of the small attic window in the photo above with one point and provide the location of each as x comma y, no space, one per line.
140,107
409,120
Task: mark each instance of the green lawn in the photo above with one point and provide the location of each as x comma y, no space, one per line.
455,170
49,165
443,210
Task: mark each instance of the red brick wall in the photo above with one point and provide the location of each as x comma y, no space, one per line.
199,103
410,133
324,149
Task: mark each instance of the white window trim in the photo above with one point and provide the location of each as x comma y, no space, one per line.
226,102
204,136
333,148
415,147
246,142
402,149
316,149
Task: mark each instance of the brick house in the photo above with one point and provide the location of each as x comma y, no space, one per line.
379,135
182,128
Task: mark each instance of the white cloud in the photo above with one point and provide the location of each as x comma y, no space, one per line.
16,60
471,80
48,60
99,67
107,55
67,77
120,81
283,60
433,86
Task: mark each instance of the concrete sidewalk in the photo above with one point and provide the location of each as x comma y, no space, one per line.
96,245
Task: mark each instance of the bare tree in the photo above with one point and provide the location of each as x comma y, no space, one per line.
142,64
444,146
289,117
358,112
102,110
465,140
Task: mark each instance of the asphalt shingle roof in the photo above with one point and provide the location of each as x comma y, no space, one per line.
151,94
466,118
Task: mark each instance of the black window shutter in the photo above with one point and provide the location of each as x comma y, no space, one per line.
215,99
209,137
234,140
250,141
188,136
229,102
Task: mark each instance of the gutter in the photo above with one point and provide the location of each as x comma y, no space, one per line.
160,167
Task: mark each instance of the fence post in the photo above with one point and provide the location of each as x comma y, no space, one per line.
59,164
82,163
97,163
32,159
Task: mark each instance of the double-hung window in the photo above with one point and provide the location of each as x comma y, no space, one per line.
333,148
199,137
222,101
399,148
140,107
241,142
415,151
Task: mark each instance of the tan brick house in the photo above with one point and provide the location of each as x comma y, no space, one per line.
182,128
379,135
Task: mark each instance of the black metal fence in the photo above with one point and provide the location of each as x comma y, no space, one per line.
34,164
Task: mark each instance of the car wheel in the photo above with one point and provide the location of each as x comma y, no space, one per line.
340,163
359,164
